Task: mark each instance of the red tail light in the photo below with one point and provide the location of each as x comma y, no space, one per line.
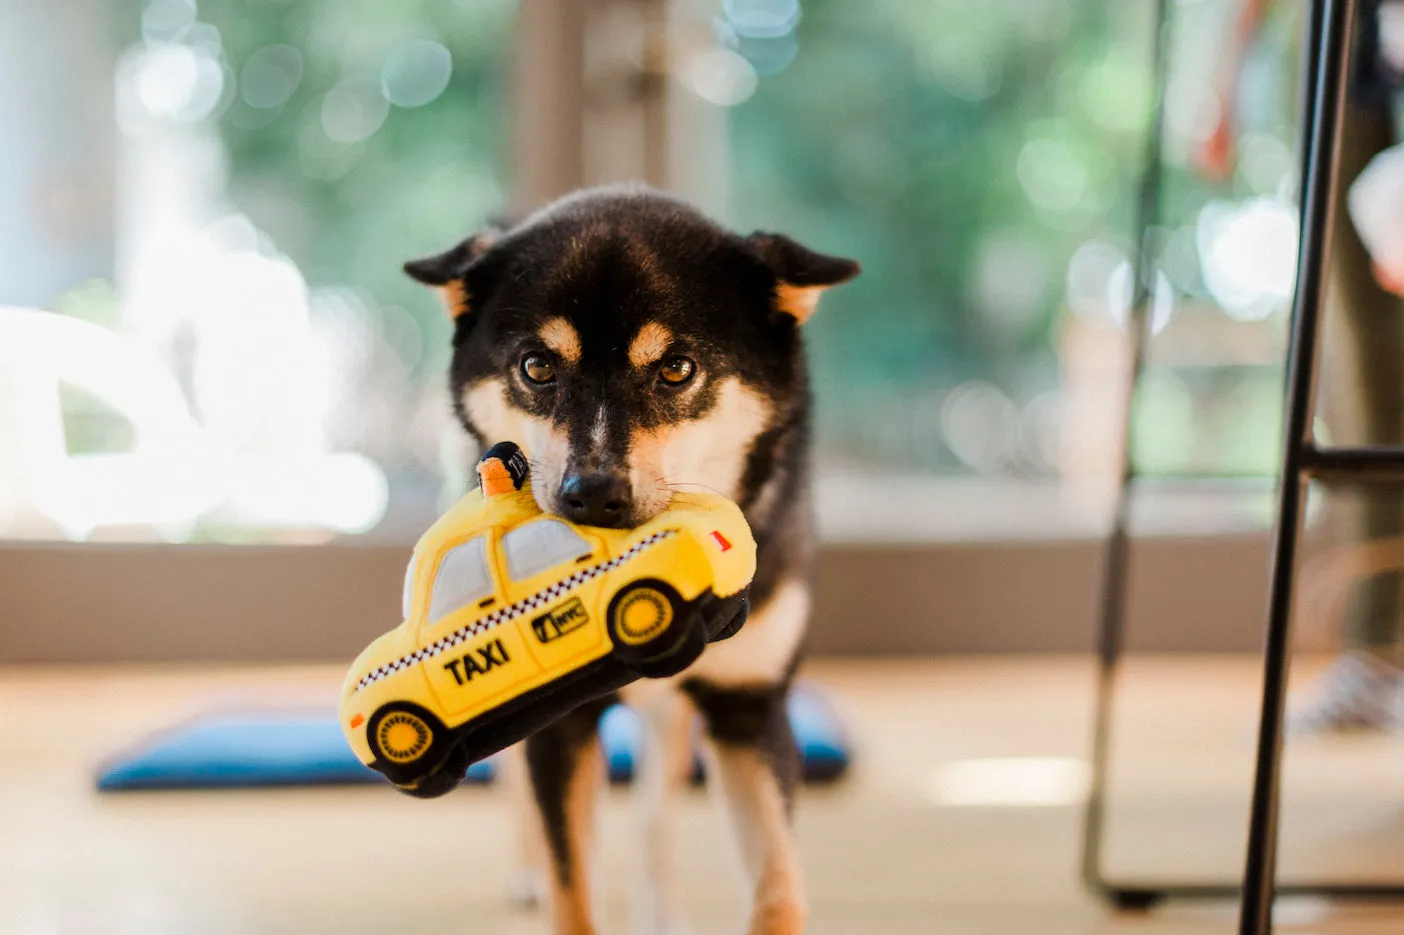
721,541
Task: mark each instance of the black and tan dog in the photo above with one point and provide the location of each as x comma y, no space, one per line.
633,348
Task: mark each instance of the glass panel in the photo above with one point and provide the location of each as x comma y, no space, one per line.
1225,252
985,172
1182,748
463,579
535,547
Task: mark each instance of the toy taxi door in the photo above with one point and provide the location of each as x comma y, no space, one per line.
551,558
489,668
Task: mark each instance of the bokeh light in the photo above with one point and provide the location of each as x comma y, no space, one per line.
1100,287
166,20
1053,176
761,19
1116,91
1089,276
1265,162
1248,253
722,77
353,110
322,157
167,82
963,66
416,73
981,426
1010,280
270,76
1041,432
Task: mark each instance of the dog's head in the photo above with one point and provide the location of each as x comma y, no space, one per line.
630,346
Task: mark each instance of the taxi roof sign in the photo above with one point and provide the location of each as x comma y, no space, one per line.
503,469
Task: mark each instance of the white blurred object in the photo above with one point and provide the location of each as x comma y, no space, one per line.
201,287
1391,16
1011,782
1248,255
1376,204
345,492
981,425
169,478
177,471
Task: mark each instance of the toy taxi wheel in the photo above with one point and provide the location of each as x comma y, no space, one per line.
407,741
649,625
694,641
444,779
732,611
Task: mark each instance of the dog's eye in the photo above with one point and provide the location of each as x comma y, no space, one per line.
538,369
677,371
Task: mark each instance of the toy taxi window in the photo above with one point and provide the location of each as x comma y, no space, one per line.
463,579
407,596
535,547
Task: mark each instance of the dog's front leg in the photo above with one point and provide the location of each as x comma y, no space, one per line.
754,764
526,886
565,766
668,720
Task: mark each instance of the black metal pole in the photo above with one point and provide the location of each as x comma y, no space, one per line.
1377,464
1115,571
1329,61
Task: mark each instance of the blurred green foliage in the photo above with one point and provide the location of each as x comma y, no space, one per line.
430,175
961,149
896,136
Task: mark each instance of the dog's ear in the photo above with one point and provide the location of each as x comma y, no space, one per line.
447,272
801,273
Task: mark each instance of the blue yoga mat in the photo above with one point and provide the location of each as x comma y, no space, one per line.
240,749
297,748
823,745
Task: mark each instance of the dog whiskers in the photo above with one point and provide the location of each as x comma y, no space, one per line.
685,487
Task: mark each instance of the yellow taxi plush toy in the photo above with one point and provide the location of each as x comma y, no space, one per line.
512,617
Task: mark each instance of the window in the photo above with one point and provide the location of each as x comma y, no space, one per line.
206,336
535,547
463,578
983,168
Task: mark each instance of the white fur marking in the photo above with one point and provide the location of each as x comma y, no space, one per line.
746,788
526,887
702,454
491,410
765,645
665,764
597,432
750,793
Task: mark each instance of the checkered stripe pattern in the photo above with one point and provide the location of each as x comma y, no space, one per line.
510,612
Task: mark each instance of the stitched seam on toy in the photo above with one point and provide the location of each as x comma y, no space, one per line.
508,613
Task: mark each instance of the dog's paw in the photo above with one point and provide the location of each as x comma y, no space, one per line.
779,917
655,927
526,889
648,915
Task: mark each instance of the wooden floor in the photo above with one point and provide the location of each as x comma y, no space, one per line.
961,817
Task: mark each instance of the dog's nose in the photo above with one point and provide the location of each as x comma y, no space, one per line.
596,499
